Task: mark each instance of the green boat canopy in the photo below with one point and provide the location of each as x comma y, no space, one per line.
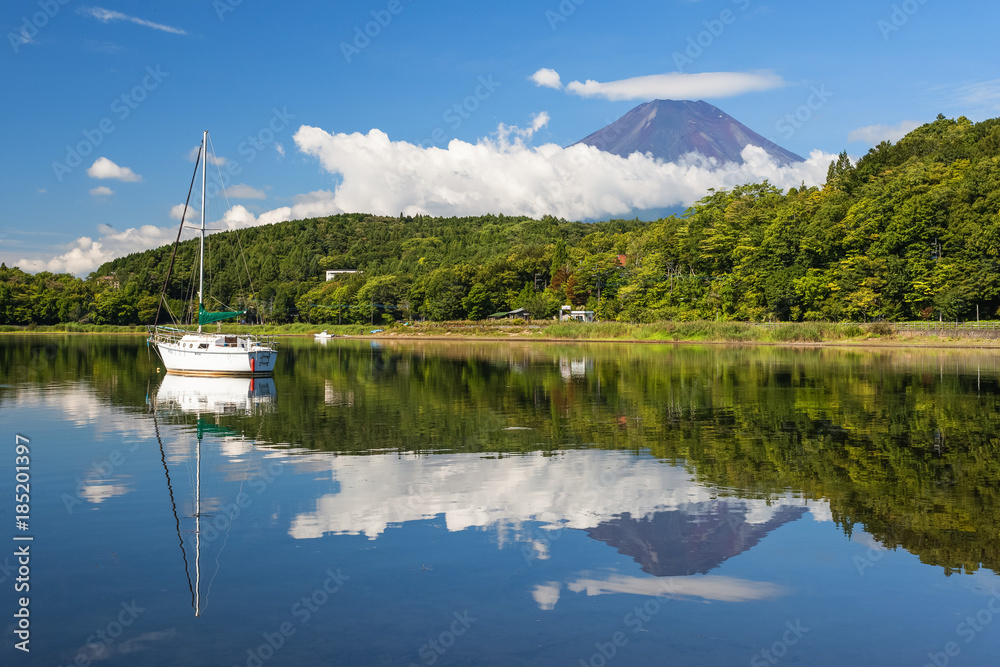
205,317
205,428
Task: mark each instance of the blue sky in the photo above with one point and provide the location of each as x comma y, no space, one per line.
447,108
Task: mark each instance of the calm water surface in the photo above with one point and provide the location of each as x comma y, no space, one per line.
505,504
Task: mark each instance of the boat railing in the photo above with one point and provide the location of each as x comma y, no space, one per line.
164,334
161,334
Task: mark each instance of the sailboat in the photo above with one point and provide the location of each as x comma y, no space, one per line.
199,353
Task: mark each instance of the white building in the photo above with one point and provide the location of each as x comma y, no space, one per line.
567,313
333,273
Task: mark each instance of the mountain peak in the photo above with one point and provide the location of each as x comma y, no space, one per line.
667,129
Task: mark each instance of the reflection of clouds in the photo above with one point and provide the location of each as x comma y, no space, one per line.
546,595
235,448
821,512
98,492
573,489
78,404
106,650
139,643
863,538
541,550
118,433
707,587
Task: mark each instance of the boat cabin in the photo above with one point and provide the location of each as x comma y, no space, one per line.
204,342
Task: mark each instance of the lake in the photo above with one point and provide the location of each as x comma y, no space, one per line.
430,503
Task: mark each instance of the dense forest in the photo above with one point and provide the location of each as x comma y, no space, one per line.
912,231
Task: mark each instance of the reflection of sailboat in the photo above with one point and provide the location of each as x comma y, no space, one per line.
216,395
194,587
219,396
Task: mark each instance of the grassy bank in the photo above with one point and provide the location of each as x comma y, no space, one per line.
809,332
699,331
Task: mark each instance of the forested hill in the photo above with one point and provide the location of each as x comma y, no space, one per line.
409,266
912,231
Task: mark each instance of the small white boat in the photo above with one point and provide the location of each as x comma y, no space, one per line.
323,335
197,353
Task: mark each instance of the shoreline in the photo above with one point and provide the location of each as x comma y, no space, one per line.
875,342
889,342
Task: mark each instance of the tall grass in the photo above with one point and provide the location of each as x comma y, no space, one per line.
730,332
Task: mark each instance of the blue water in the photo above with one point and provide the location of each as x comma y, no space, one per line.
506,532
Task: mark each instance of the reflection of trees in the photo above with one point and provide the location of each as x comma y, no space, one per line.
903,444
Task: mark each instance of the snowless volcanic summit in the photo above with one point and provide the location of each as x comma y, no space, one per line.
668,129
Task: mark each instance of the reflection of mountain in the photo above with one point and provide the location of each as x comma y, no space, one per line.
692,541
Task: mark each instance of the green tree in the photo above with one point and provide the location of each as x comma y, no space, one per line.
477,302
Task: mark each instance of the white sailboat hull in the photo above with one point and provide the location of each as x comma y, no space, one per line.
215,355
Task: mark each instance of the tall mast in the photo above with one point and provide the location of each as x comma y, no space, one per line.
201,263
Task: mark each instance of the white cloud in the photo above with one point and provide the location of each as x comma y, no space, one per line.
984,94
103,47
102,191
178,210
212,158
281,149
238,216
105,168
506,132
311,205
244,191
678,86
547,78
107,16
876,134
502,174
539,120
85,254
